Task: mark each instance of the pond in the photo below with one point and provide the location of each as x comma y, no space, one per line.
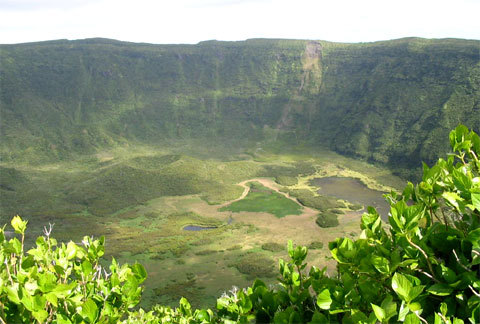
198,228
354,191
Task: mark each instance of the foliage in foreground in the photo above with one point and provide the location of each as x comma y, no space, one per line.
421,268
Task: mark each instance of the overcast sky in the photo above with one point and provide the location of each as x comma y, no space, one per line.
191,21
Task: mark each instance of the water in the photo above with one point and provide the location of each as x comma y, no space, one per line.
198,228
354,191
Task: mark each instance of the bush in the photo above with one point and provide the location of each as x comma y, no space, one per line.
272,247
254,266
63,283
327,219
355,207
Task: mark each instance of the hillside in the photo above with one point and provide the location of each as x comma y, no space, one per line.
385,102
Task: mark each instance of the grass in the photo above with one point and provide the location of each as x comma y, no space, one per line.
286,180
262,199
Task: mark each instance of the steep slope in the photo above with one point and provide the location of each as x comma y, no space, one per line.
386,101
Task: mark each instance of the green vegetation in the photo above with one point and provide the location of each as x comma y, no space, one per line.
272,247
393,99
309,199
327,219
425,267
254,265
286,180
58,283
355,207
315,245
150,231
262,199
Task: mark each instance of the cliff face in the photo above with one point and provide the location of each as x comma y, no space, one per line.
387,101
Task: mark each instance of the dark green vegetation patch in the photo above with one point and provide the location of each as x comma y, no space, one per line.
262,199
327,219
272,247
309,199
316,245
255,265
286,180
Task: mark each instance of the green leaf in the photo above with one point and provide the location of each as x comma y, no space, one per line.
12,293
474,238
19,225
71,250
476,200
359,317
403,311
296,278
415,307
402,286
444,308
89,310
440,289
379,312
139,272
185,307
202,316
62,290
475,318
389,306
62,319
454,200
319,318
324,300
381,264
28,262
87,268
40,315
290,248
411,319
448,274
414,292
52,299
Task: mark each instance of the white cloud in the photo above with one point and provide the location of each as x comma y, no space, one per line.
191,21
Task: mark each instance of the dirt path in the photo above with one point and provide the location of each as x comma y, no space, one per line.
270,184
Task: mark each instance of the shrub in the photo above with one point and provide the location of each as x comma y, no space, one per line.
272,247
327,219
255,266
356,207
63,283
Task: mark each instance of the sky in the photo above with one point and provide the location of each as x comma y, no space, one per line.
192,21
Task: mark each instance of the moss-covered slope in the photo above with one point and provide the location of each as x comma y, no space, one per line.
386,101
